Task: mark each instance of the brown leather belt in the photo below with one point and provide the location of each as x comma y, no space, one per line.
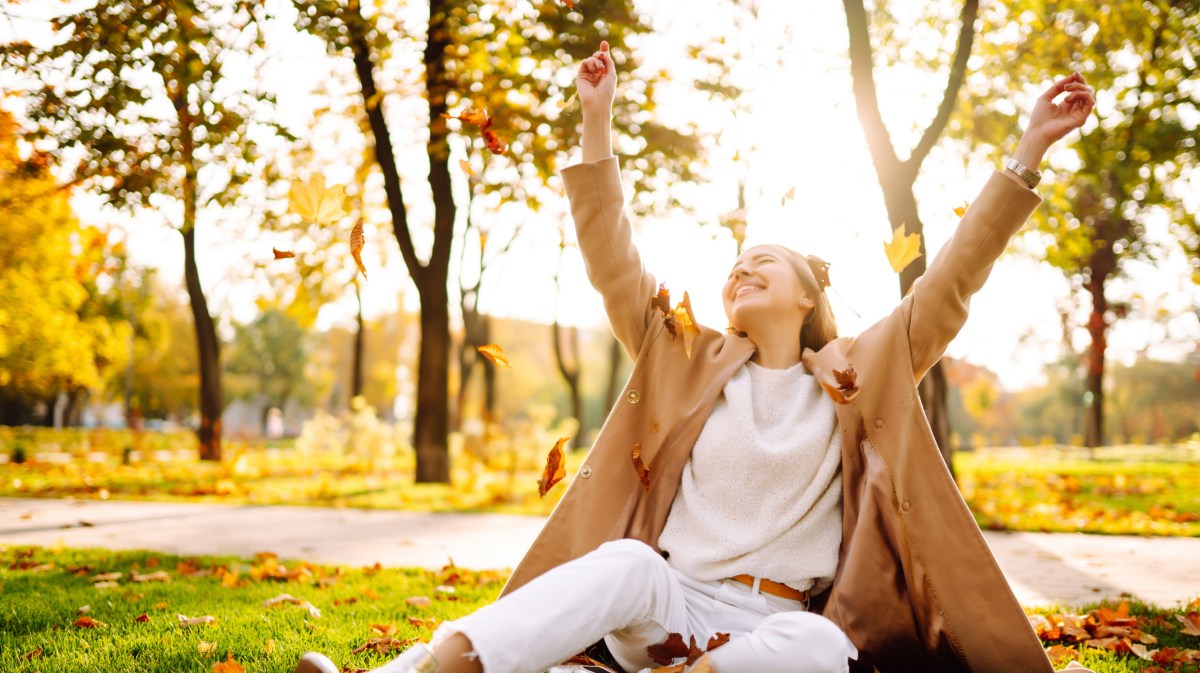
774,588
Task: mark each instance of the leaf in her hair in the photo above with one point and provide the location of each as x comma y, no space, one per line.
902,249
494,353
686,322
555,468
643,473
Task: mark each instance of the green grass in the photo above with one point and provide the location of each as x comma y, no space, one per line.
1123,490
38,607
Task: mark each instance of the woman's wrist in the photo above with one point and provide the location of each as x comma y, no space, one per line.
1030,153
597,136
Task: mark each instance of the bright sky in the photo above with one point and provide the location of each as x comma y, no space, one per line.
799,130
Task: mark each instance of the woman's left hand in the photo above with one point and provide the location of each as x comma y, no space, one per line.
1051,121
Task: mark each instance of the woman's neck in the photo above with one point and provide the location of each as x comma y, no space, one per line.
775,351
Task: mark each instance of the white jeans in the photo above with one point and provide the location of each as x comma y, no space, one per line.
627,594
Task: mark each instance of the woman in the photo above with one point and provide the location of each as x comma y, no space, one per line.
796,499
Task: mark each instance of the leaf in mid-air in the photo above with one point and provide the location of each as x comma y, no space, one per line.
495,354
902,249
555,468
317,203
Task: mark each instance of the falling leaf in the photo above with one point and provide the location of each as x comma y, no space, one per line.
569,3
356,245
418,601
184,620
640,468
142,618
317,203
788,196
902,249
845,387
686,321
563,105
961,210
466,167
492,140
228,666
661,300
282,254
157,576
555,468
475,116
86,622
495,354
205,648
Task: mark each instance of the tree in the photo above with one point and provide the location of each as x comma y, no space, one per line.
510,59
1135,162
55,335
137,88
268,359
896,176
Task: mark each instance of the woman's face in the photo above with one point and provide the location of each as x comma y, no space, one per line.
764,292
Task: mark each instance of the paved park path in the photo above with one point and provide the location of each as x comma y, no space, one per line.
1041,567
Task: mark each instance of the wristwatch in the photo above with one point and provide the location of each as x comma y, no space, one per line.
1030,176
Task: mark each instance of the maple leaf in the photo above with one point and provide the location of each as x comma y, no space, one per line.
282,254
903,249
668,650
228,666
356,245
961,210
686,322
662,301
315,202
495,354
639,467
86,622
555,468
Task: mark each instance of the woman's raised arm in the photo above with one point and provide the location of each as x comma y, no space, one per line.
598,208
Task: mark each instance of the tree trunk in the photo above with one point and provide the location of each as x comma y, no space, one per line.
207,347
432,422
1101,264
570,374
615,360
356,374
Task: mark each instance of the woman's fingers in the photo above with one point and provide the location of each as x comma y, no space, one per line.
1061,85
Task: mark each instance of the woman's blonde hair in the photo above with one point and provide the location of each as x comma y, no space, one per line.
820,327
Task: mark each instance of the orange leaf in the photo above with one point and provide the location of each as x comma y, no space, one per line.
142,618
687,321
555,468
475,116
228,666
903,249
569,3
356,245
1191,623
495,354
961,210
86,622
492,141
662,302
717,641
791,194
34,654
466,167
643,472
677,668
316,203
383,645
383,629
702,665
283,254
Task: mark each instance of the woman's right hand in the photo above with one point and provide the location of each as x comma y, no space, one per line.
597,81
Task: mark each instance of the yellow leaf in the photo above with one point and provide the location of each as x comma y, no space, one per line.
270,646
685,321
317,203
495,354
961,210
466,167
356,245
563,105
205,648
902,249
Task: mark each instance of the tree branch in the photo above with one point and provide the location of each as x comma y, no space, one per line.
958,72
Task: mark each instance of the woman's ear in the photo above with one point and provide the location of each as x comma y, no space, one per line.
807,302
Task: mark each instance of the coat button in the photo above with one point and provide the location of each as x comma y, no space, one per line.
878,422
905,506
585,471
633,396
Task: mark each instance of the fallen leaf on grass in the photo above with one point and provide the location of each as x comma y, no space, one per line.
105,585
288,598
495,354
1057,653
282,254
383,645
33,655
157,576
86,622
555,468
228,666
142,618
643,473
269,647
429,623
381,630
1191,623
418,601
205,648
370,593
184,620
107,577
83,609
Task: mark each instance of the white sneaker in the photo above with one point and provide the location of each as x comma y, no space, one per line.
416,659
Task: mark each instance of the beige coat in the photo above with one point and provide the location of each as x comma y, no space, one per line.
916,588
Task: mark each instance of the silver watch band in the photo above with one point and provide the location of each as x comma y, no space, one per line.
1030,176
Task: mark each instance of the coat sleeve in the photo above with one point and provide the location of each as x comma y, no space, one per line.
935,308
609,255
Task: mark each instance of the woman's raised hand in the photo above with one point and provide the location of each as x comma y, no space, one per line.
597,81
1050,121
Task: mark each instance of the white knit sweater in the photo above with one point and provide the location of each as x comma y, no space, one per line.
761,493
